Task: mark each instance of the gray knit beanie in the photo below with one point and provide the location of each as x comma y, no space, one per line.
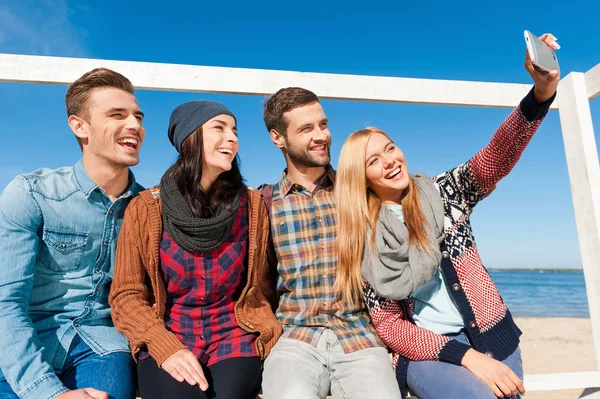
188,117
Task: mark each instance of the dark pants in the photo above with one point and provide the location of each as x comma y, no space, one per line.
236,378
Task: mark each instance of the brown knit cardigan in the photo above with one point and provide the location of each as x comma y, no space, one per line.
138,296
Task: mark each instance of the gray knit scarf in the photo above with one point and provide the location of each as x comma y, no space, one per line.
396,268
195,235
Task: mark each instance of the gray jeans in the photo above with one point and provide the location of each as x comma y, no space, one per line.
296,370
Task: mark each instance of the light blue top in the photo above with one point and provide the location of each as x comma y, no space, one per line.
58,234
434,308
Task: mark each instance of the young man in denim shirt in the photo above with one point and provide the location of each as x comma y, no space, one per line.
58,234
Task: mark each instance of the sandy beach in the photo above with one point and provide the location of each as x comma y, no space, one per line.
556,345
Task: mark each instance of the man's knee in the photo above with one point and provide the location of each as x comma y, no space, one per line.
368,374
286,378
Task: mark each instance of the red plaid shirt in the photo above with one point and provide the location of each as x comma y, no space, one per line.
202,289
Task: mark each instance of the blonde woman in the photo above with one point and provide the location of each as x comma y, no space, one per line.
429,296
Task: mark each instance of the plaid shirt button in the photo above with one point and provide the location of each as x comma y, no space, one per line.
304,234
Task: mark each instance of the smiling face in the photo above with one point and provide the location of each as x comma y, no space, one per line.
386,169
219,146
113,132
307,139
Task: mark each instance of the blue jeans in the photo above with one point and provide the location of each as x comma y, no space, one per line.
113,373
435,380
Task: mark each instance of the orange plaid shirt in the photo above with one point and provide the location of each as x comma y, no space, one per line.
304,233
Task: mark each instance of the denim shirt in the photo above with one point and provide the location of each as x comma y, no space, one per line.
58,235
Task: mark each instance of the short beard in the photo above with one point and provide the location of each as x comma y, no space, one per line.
304,158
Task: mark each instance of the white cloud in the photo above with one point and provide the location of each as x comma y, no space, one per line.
41,27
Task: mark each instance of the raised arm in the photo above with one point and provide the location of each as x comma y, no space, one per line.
478,177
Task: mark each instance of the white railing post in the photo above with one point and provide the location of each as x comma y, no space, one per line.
592,81
584,174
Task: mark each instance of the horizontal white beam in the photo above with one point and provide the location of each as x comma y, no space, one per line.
559,381
192,78
592,81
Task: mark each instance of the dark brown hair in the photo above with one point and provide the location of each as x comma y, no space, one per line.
283,101
79,91
188,172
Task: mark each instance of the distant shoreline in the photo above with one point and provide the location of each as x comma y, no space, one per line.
535,270
551,317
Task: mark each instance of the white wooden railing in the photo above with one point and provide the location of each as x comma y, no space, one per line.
575,92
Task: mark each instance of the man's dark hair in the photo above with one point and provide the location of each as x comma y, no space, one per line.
283,101
79,91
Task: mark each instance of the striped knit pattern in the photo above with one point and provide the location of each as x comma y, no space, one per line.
487,319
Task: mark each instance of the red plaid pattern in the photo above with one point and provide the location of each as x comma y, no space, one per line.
202,289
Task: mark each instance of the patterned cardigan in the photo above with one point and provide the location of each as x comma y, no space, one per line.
488,322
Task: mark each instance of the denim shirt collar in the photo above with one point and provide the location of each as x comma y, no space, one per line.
87,185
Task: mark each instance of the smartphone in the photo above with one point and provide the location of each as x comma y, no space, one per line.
542,55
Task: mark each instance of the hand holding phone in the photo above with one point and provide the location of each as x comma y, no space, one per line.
541,54
542,65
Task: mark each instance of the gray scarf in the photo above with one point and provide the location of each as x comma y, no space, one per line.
195,235
395,269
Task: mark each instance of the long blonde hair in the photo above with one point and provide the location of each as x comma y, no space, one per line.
357,213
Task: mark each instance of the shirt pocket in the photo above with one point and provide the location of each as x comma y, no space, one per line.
230,266
62,251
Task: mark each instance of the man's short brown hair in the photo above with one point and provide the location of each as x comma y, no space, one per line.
283,101
79,92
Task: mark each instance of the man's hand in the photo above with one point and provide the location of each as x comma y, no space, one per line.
496,375
85,393
184,365
545,82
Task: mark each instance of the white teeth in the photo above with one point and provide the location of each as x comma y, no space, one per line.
394,173
319,148
225,151
127,141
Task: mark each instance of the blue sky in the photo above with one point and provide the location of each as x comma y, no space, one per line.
527,222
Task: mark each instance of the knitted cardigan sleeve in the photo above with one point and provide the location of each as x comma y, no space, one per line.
130,294
405,338
478,177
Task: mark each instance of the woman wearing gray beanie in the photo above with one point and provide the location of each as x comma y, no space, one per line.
193,290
